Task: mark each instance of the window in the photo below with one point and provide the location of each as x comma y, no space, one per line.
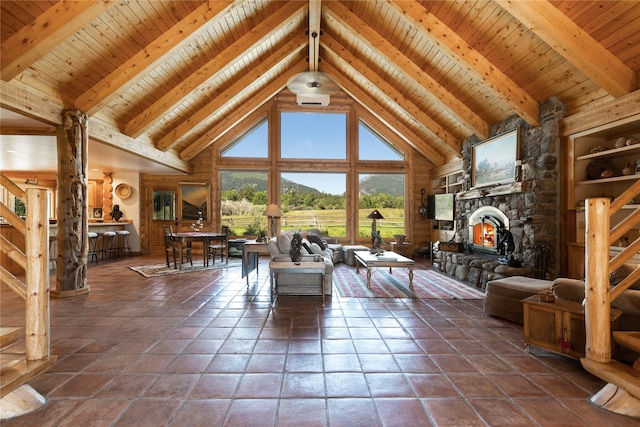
243,201
164,205
313,135
384,192
372,146
254,142
314,200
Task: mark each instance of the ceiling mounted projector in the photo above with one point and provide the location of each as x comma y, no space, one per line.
312,82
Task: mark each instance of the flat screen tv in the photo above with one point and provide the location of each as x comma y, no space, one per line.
444,207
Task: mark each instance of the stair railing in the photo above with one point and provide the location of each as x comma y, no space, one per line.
599,237
34,260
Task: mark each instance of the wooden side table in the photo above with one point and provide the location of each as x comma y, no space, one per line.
405,249
558,326
250,252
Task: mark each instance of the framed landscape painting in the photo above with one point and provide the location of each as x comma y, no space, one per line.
494,160
194,201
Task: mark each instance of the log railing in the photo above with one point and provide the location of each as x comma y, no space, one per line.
35,261
598,240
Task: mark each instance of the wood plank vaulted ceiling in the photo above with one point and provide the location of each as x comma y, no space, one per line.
167,79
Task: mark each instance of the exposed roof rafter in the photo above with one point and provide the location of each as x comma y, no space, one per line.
574,44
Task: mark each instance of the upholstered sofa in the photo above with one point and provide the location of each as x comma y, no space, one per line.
628,302
294,283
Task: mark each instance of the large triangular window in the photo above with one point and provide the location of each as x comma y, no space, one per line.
254,142
372,146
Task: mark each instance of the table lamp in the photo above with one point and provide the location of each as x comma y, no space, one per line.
374,215
272,212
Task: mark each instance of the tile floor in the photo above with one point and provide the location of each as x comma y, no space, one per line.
200,349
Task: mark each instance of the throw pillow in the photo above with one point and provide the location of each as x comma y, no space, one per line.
316,249
284,243
305,245
317,240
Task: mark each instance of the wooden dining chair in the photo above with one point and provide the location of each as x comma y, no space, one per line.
221,246
171,247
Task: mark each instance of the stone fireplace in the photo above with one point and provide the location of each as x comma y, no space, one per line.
528,208
484,225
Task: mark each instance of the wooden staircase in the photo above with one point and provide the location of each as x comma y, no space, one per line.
15,369
25,352
622,393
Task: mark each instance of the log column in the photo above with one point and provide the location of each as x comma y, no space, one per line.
72,239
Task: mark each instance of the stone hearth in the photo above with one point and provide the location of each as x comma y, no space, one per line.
531,205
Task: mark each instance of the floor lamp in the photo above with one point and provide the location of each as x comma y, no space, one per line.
272,212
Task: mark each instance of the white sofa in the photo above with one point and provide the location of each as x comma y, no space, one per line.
279,248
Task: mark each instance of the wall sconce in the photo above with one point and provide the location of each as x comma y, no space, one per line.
272,212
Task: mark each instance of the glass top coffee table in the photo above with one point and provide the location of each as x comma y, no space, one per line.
383,259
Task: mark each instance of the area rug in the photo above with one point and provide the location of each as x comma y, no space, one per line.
155,270
427,283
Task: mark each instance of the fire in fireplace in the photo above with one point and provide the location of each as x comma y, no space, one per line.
484,224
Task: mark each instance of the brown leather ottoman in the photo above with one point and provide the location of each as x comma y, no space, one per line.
503,297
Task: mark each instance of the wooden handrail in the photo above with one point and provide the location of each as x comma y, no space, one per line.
13,252
12,218
624,226
13,282
625,198
12,187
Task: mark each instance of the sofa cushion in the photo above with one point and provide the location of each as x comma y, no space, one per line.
284,243
317,240
568,289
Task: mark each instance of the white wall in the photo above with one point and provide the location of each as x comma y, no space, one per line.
130,207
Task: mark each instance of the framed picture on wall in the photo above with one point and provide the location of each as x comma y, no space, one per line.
494,160
97,213
194,201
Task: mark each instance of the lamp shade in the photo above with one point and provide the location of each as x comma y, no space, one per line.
375,215
273,210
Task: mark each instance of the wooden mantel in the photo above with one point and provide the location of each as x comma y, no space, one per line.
499,190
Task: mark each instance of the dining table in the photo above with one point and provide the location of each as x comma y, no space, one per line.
206,237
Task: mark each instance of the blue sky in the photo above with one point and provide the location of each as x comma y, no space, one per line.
314,136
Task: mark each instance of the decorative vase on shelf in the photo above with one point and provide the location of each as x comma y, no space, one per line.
630,169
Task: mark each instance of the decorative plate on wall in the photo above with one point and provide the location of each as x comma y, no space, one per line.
123,191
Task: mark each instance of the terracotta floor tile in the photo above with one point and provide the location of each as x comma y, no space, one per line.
401,412
450,412
292,411
201,413
201,349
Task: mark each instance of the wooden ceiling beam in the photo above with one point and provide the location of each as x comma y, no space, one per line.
227,123
284,53
30,131
148,58
376,42
275,22
449,141
394,123
574,44
45,32
315,8
472,61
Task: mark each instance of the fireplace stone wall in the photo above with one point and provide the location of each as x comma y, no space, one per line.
534,214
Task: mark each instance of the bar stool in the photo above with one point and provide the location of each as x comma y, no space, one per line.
109,245
123,242
93,246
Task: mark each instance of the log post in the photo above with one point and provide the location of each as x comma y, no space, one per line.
597,305
72,239
37,274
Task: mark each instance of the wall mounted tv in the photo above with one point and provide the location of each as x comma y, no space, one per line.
444,207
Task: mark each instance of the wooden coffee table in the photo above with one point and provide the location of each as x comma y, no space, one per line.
276,267
384,259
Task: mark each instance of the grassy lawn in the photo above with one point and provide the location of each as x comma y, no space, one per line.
330,222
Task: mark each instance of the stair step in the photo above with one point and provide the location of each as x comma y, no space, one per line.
628,339
616,373
9,335
15,371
